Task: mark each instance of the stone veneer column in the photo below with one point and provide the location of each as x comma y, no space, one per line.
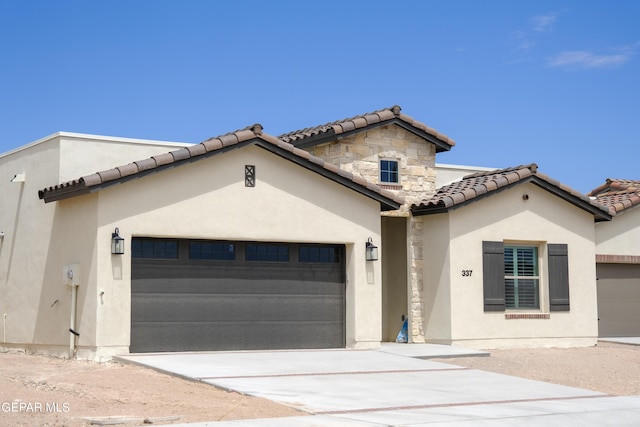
416,279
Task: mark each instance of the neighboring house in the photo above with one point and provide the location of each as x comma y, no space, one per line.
618,259
250,241
509,261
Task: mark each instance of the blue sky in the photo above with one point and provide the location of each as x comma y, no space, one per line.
512,82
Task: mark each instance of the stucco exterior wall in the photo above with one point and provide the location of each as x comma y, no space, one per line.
437,279
207,199
394,276
506,216
41,239
446,174
27,226
620,235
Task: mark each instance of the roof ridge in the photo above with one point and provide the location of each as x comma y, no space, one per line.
354,123
533,167
474,186
394,109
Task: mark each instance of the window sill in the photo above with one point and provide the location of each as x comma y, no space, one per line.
390,186
513,316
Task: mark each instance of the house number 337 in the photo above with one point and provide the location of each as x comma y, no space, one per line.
466,273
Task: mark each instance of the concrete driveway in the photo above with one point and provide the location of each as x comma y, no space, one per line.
398,385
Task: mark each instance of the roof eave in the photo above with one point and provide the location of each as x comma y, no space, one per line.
598,213
63,193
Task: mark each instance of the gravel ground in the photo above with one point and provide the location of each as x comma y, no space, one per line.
608,368
41,391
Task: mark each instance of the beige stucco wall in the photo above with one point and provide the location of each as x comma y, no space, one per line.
446,174
207,199
621,235
394,275
506,216
40,239
26,245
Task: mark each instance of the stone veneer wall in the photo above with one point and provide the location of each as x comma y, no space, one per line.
361,154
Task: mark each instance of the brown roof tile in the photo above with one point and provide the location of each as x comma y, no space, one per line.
145,164
212,144
474,186
129,169
619,194
229,139
163,159
180,154
196,150
109,175
359,122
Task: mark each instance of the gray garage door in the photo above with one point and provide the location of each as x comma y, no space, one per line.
212,295
618,300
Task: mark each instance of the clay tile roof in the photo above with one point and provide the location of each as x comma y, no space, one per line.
329,131
479,185
618,194
250,135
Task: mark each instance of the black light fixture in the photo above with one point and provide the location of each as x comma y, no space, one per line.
371,250
117,243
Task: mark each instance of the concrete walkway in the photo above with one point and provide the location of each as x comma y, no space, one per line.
622,340
393,386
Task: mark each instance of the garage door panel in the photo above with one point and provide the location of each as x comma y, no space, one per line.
239,270
618,300
236,286
186,305
234,307
232,335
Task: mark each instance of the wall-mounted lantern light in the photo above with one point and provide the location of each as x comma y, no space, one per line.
117,243
371,251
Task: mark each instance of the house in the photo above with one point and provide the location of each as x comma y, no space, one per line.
251,241
618,259
510,261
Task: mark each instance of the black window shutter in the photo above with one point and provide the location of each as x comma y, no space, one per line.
558,277
493,275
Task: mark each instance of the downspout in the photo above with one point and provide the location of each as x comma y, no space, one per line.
73,335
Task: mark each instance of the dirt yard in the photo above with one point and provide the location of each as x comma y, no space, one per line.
40,391
608,368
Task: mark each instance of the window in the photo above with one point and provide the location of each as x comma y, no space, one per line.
510,276
521,277
389,171
221,251
319,254
266,252
154,248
